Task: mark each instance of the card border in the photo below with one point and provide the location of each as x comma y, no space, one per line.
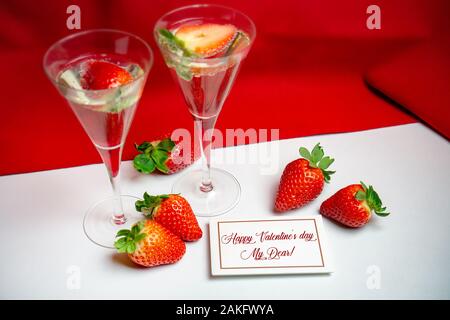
217,268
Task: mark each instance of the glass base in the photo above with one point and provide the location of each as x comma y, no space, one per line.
99,225
224,196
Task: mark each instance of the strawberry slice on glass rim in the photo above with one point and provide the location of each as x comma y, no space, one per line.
206,40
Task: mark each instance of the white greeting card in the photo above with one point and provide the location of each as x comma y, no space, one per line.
268,246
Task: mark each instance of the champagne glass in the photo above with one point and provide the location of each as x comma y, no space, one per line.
101,74
205,83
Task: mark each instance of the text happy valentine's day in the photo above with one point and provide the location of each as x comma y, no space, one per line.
270,253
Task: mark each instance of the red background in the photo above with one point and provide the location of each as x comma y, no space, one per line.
304,75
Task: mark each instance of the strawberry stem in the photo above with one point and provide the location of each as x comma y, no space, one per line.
317,159
372,199
149,205
127,239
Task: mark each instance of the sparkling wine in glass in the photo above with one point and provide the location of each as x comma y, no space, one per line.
101,74
203,46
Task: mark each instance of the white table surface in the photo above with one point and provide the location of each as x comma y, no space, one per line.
41,227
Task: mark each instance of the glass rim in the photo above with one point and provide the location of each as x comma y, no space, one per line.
205,5
99,30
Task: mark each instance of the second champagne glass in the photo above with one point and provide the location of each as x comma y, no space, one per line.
203,45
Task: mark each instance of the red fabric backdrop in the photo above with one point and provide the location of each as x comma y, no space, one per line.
304,74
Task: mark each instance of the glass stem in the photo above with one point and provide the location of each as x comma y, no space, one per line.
118,216
111,158
204,130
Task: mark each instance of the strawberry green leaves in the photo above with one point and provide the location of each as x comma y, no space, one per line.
144,163
127,239
325,162
153,156
166,144
149,204
317,159
143,146
372,199
316,154
305,153
160,156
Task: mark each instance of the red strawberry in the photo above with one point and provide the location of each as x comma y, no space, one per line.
206,39
302,179
165,155
353,205
98,75
173,212
150,244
